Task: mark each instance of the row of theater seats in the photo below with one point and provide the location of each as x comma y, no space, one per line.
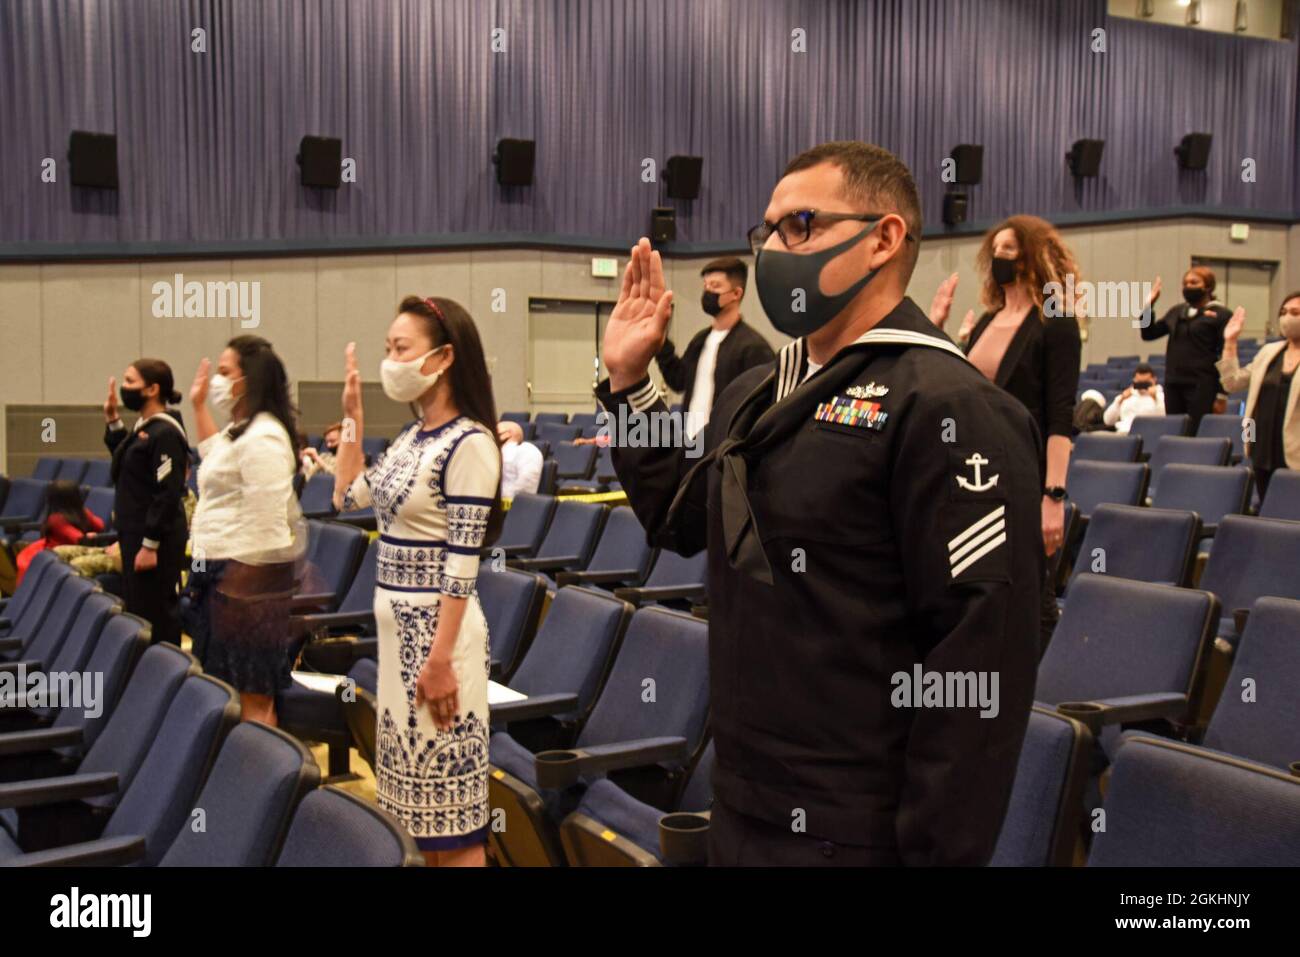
586,773
1116,374
160,771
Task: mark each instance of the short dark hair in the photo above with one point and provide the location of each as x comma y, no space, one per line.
875,177
1145,367
736,270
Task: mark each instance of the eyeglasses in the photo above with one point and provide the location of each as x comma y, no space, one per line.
796,227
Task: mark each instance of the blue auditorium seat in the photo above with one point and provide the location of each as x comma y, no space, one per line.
610,828
554,418
98,474
1252,558
569,539
1099,483
259,778
1042,823
520,417
674,579
1262,726
159,800
1169,804
332,828
1184,450
512,604
524,526
317,499
1224,427
1154,545
1152,427
39,636
622,555
1211,491
645,750
556,432
15,606
1127,651
72,470
574,461
47,468
1282,499
334,553
1107,447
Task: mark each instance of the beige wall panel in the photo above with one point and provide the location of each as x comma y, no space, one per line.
181,341
91,326
443,274
21,334
288,309
356,296
518,275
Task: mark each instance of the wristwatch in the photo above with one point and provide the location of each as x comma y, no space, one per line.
1055,492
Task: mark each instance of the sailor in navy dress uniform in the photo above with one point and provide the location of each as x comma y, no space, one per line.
861,519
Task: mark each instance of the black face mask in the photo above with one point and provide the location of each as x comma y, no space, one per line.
1194,295
1004,270
709,303
132,399
1143,386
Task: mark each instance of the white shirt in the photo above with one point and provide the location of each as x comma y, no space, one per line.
247,509
521,468
1122,411
697,416
812,370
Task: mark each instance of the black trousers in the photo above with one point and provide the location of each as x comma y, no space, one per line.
154,595
736,840
1195,399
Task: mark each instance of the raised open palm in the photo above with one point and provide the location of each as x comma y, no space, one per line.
1232,331
636,327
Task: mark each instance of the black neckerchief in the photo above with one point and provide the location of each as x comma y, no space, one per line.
777,408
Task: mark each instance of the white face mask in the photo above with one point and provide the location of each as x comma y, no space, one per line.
221,395
1289,325
403,381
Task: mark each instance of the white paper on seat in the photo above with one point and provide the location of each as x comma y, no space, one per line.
317,682
500,694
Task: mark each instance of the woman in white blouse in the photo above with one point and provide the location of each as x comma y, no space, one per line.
436,492
247,531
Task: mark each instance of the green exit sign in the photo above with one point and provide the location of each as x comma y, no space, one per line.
603,268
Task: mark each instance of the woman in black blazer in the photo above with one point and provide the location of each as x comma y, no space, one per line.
1195,330
1028,342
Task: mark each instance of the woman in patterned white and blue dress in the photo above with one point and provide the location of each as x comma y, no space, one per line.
436,494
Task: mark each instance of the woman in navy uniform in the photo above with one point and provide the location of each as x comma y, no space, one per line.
870,506
148,472
1195,330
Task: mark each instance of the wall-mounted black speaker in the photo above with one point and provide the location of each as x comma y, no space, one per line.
92,158
514,159
1085,157
1194,151
682,176
954,208
970,163
320,162
663,224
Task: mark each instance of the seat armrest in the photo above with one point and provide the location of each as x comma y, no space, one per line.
642,596
73,787
535,706
1106,712
105,852
38,739
554,563
322,599
562,769
11,644
596,578
1240,616
100,539
28,666
337,619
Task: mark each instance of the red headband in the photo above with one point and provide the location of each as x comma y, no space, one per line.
436,311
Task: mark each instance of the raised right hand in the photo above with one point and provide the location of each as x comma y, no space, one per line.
110,404
351,384
1153,295
1232,331
636,327
941,305
199,389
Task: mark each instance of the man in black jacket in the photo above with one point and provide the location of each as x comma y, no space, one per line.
870,507
717,355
